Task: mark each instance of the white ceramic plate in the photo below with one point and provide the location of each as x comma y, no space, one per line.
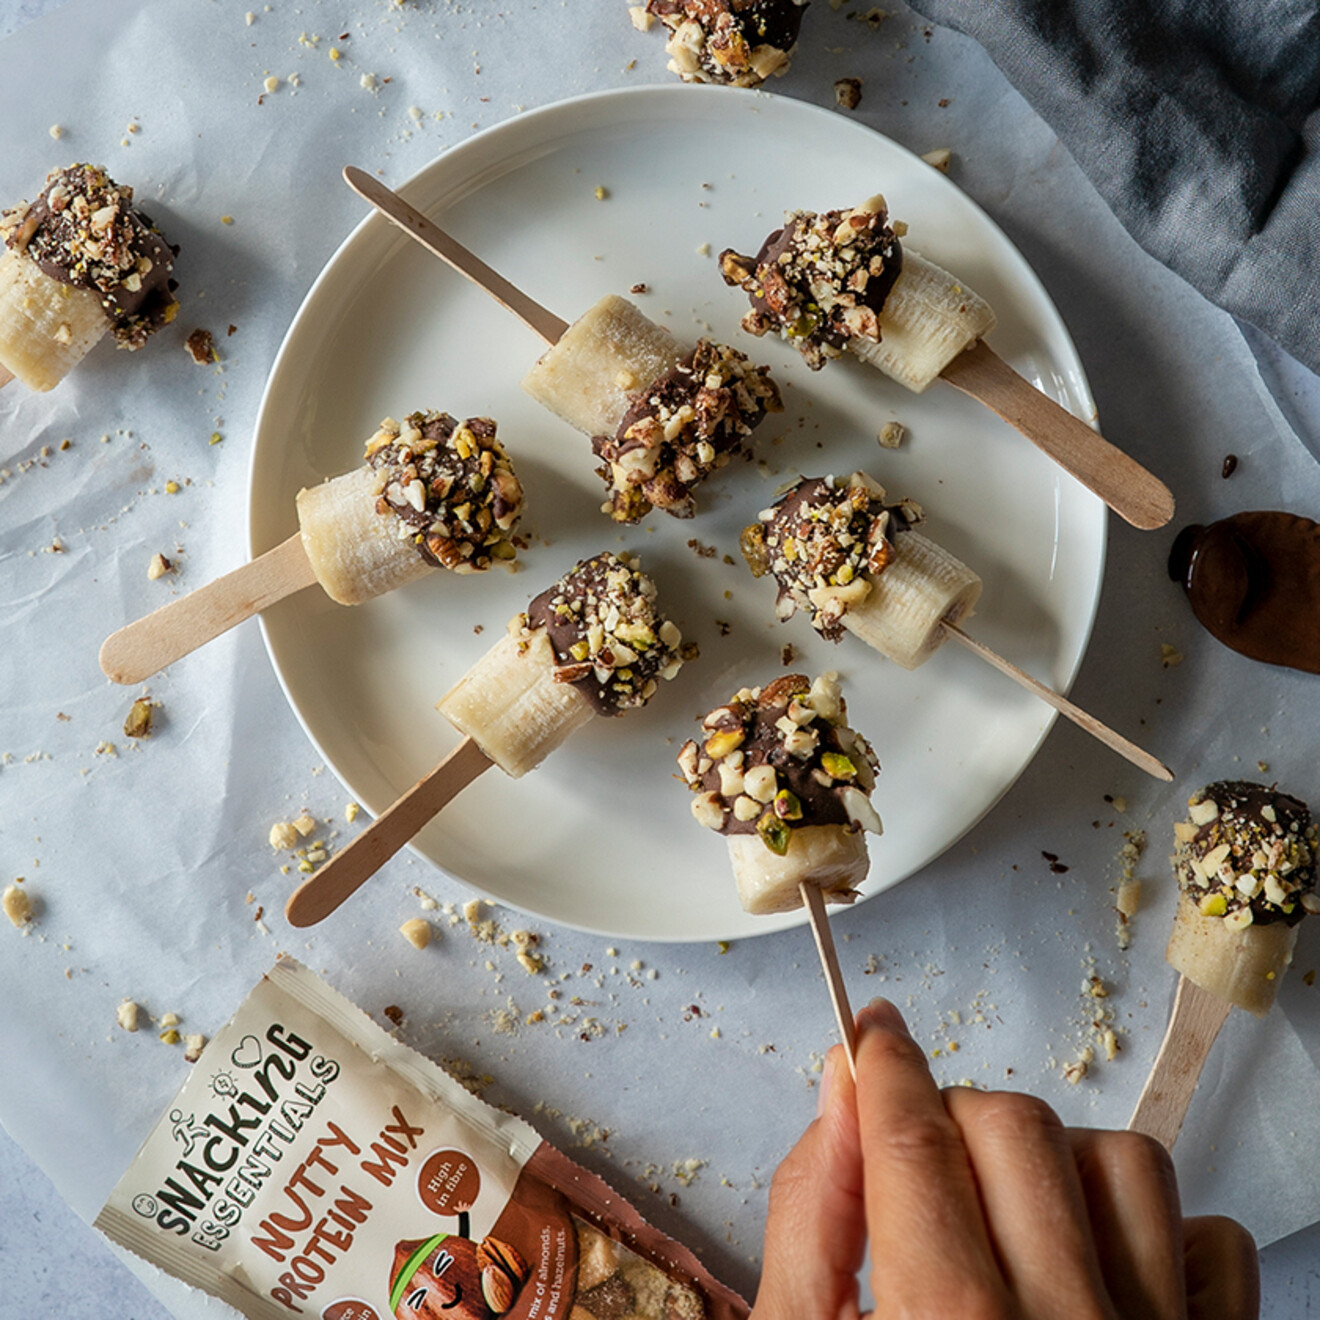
600,837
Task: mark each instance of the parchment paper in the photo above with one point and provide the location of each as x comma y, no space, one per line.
684,1087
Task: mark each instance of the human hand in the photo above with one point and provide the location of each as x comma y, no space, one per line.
983,1206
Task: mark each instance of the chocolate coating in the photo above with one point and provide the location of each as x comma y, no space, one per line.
609,639
1257,850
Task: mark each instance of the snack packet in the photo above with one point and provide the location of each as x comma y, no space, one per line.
312,1165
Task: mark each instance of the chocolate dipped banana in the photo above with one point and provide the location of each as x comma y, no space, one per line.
849,560
739,43
79,262
433,493
838,280
1245,861
660,416
843,280
592,644
853,562
780,774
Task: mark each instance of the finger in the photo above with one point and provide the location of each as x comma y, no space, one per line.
1132,1200
930,1252
1223,1271
815,1231
1034,1207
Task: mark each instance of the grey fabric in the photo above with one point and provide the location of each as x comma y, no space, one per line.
1197,122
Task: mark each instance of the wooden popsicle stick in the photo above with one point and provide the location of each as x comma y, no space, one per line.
1193,1025
1133,493
320,894
144,648
546,324
829,959
5,376
1142,760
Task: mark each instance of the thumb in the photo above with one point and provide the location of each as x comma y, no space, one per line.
815,1230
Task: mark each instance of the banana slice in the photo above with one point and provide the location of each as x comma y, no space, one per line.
928,318
594,643
827,856
510,704
609,353
355,552
46,327
922,588
779,772
1246,866
435,493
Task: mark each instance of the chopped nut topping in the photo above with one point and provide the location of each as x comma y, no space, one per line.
608,637
891,435
127,1015
681,428
824,540
200,346
158,567
283,835
939,158
779,758
451,486
84,231
1247,854
735,42
821,280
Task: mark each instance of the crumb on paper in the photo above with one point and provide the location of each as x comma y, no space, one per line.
140,717
848,93
601,193
200,346
57,131
170,1036
351,812
639,287
158,567
417,931
305,823
282,835
193,1045
891,435
17,904
1170,656
127,1015
394,1013
1074,1072
939,159
272,84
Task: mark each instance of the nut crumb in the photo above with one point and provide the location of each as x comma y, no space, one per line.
201,347
138,723
848,93
639,287
56,131
642,19
282,835
939,159
158,567
305,823
351,812
891,435
601,193
417,931
394,1013
1170,656
127,1015
17,905
193,1046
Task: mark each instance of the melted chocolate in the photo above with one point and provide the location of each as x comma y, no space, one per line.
1253,581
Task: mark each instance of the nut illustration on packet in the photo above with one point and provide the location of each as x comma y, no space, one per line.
313,1165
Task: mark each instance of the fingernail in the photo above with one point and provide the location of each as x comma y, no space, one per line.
882,1015
826,1081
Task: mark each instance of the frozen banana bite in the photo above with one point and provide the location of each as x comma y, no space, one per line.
739,43
780,774
1246,866
850,559
77,263
592,644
